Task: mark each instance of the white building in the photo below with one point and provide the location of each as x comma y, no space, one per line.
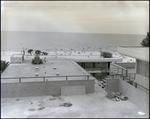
141,54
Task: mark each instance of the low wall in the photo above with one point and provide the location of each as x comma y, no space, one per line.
127,65
112,85
16,59
25,89
73,90
135,95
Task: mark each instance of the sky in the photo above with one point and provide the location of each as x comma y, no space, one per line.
115,17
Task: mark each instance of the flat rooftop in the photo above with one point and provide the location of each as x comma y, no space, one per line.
102,107
26,69
141,53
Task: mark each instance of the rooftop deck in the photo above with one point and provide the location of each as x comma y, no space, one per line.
141,53
49,69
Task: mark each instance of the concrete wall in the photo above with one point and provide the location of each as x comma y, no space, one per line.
73,90
127,65
142,68
25,89
135,95
112,85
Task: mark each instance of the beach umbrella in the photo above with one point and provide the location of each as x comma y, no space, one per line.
30,51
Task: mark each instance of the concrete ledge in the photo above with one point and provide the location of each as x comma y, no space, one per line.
73,90
26,89
126,65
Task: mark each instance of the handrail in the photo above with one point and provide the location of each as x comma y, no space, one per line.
136,84
119,66
142,86
47,76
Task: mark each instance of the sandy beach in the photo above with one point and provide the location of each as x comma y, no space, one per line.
95,54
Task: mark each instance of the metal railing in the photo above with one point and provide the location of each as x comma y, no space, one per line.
132,82
122,72
111,71
142,87
44,77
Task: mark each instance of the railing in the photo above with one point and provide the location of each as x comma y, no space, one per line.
111,71
128,80
66,77
142,87
122,72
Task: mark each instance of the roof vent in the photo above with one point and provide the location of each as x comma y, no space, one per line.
36,67
54,67
36,74
57,73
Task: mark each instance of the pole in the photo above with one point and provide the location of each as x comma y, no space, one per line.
126,72
19,80
87,77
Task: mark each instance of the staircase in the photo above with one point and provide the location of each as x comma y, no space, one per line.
102,83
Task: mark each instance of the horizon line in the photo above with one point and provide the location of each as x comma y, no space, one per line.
74,32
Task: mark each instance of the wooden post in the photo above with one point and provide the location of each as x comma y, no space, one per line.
66,78
44,79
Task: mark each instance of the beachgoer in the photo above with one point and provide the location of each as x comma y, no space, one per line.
45,59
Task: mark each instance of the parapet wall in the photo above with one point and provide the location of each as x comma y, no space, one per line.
112,85
16,58
127,65
26,89
135,95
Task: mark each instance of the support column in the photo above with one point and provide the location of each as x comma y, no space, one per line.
87,77
19,80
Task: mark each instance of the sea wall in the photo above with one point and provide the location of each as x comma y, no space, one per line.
26,89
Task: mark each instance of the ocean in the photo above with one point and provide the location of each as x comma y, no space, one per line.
49,41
